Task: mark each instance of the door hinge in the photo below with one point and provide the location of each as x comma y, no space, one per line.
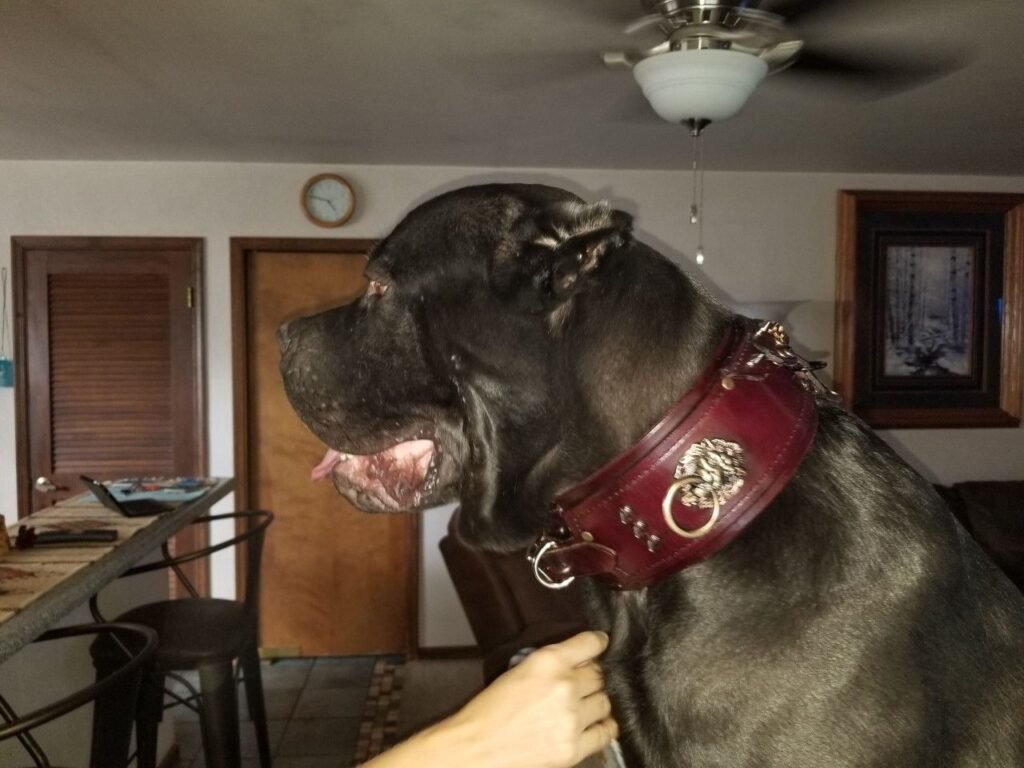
190,294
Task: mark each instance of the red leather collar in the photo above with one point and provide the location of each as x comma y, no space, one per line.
698,478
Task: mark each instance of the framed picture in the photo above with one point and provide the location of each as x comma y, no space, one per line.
930,308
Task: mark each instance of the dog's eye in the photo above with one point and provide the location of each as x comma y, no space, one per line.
376,288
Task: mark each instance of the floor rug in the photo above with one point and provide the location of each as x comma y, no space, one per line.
378,728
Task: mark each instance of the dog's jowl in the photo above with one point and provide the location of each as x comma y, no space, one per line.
780,588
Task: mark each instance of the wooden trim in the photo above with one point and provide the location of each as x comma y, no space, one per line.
241,249
240,374
200,568
199,339
413,605
19,334
846,270
105,243
934,202
1013,315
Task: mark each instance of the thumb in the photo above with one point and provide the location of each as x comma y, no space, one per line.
580,648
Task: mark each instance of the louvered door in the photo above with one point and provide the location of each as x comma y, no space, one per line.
110,367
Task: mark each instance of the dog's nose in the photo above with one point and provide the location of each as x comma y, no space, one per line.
283,336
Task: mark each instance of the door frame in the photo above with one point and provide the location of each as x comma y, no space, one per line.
242,249
20,247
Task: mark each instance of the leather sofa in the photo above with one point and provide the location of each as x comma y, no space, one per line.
993,513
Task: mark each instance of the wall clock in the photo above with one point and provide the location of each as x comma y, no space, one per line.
328,200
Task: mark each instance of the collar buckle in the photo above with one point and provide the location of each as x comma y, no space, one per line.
540,548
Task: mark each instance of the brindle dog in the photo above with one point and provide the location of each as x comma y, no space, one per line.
512,340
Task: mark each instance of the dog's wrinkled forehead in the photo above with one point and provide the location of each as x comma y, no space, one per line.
467,222
492,227
570,219
555,225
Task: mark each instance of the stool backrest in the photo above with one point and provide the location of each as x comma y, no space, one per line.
252,532
138,644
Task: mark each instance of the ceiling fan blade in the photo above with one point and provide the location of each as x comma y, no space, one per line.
617,13
878,75
795,11
644,22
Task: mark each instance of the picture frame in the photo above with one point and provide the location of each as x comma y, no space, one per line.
929,325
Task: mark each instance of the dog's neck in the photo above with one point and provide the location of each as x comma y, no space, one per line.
626,387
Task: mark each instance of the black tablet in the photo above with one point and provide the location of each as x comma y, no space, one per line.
129,507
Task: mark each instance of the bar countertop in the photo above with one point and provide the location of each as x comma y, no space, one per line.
40,586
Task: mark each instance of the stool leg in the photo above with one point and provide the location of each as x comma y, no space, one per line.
149,713
112,716
219,716
250,661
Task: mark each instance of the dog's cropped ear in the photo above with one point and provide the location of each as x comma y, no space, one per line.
552,252
580,255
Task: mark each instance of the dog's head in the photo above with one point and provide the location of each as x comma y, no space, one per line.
492,359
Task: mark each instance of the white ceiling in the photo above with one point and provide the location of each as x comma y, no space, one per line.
479,83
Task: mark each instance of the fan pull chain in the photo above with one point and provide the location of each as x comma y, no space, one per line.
694,208
697,206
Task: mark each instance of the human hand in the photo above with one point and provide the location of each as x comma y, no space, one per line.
548,712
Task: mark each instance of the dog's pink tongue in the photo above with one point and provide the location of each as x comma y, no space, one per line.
326,465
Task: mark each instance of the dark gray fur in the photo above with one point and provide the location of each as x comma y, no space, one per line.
853,624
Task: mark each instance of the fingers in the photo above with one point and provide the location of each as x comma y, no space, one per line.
580,648
597,737
588,678
594,709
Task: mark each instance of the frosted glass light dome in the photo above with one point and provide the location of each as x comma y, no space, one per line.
699,84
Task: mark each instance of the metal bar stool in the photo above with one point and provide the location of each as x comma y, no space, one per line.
206,635
136,645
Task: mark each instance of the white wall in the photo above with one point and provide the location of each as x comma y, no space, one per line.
768,237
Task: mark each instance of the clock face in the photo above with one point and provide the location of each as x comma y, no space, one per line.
328,200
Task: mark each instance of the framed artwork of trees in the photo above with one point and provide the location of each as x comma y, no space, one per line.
930,308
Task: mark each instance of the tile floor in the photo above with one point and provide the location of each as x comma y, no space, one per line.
313,712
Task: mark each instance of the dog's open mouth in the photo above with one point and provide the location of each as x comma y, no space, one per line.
394,480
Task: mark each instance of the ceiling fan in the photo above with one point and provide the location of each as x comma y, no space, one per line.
714,54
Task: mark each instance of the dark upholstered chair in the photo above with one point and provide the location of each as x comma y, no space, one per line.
133,647
206,635
506,607
993,512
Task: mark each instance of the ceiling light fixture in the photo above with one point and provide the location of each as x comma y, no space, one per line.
705,85
695,87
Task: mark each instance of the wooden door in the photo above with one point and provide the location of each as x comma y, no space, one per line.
335,581
108,364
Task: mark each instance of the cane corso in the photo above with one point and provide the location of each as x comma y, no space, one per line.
513,339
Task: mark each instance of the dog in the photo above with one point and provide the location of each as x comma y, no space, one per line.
512,340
